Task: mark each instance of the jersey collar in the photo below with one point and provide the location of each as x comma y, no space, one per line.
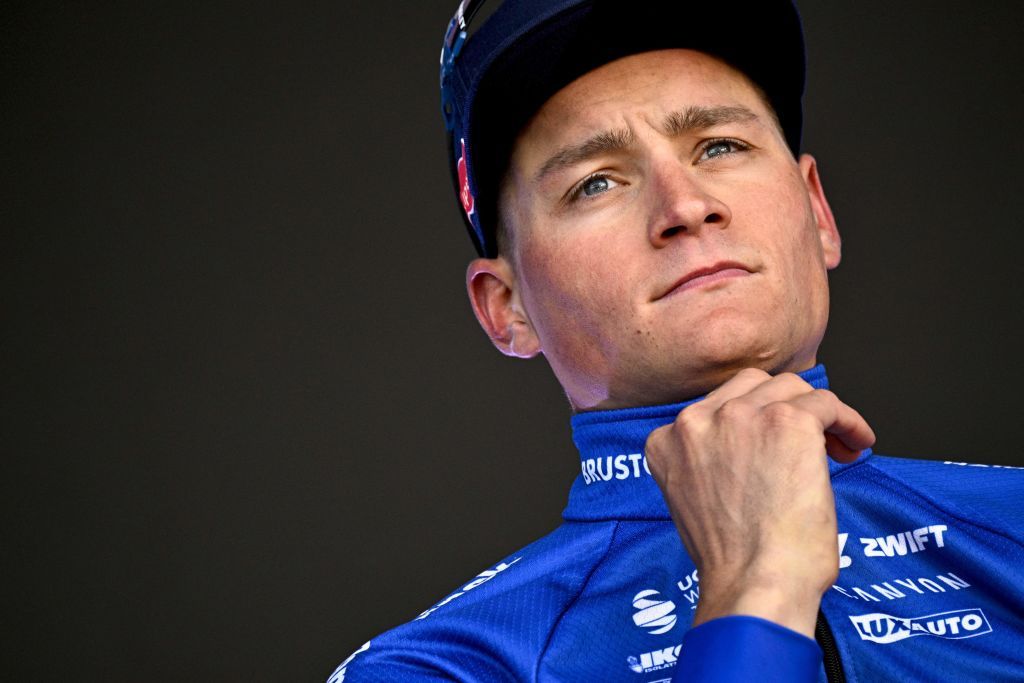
614,482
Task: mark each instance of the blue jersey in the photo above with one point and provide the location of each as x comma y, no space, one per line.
930,587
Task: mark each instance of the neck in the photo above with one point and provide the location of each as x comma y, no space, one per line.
608,399
614,482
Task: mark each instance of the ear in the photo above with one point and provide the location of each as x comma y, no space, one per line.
491,284
831,244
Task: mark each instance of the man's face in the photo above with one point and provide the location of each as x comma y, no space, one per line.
663,236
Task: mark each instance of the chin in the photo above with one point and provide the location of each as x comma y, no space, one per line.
709,365
729,340
737,338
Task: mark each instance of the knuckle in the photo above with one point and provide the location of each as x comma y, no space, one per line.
690,418
781,412
736,410
655,442
826,394
662,452
752,373
790,379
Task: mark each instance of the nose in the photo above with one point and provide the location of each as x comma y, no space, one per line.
682,203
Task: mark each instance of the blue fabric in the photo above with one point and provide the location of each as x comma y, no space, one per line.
929,587
770,653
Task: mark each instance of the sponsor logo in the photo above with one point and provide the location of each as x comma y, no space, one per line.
897,544
465,195
954,625
339,674
844,560
606,468
913,541
899,588
653,614
690,588
655,660
481,578
975,464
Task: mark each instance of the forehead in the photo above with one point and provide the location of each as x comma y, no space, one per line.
651,85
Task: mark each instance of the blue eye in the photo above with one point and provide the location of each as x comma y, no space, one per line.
595,185
717,148
592,186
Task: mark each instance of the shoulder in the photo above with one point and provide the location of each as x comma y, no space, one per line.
987,494
495,625
959,480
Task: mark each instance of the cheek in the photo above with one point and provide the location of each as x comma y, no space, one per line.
784,232
562,283
787,227
572,289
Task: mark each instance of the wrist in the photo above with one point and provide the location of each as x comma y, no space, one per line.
795,608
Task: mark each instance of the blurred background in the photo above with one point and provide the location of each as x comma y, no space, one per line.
249,419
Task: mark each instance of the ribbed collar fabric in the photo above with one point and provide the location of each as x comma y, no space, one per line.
614,483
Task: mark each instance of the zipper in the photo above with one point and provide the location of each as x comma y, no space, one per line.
830,653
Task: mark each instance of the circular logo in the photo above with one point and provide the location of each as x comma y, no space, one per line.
653,614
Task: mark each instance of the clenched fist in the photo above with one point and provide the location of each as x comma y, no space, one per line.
747,484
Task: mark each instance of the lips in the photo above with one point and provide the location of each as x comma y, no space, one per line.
700,277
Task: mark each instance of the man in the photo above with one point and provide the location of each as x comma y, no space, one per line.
646,222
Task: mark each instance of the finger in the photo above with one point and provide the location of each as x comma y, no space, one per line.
837,419
783,387
839,451
740,384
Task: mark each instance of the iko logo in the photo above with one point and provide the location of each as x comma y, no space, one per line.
954,625
481,578
654,661
653,614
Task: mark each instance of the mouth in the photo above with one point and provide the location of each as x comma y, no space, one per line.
705,277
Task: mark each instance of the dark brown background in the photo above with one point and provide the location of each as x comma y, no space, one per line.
249,421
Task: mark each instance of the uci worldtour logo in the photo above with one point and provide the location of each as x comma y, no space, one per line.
657,614
954,625
653,614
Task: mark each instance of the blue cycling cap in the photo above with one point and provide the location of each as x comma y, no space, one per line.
495,79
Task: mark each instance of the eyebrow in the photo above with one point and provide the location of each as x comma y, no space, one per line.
603,143
701,118
693,118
